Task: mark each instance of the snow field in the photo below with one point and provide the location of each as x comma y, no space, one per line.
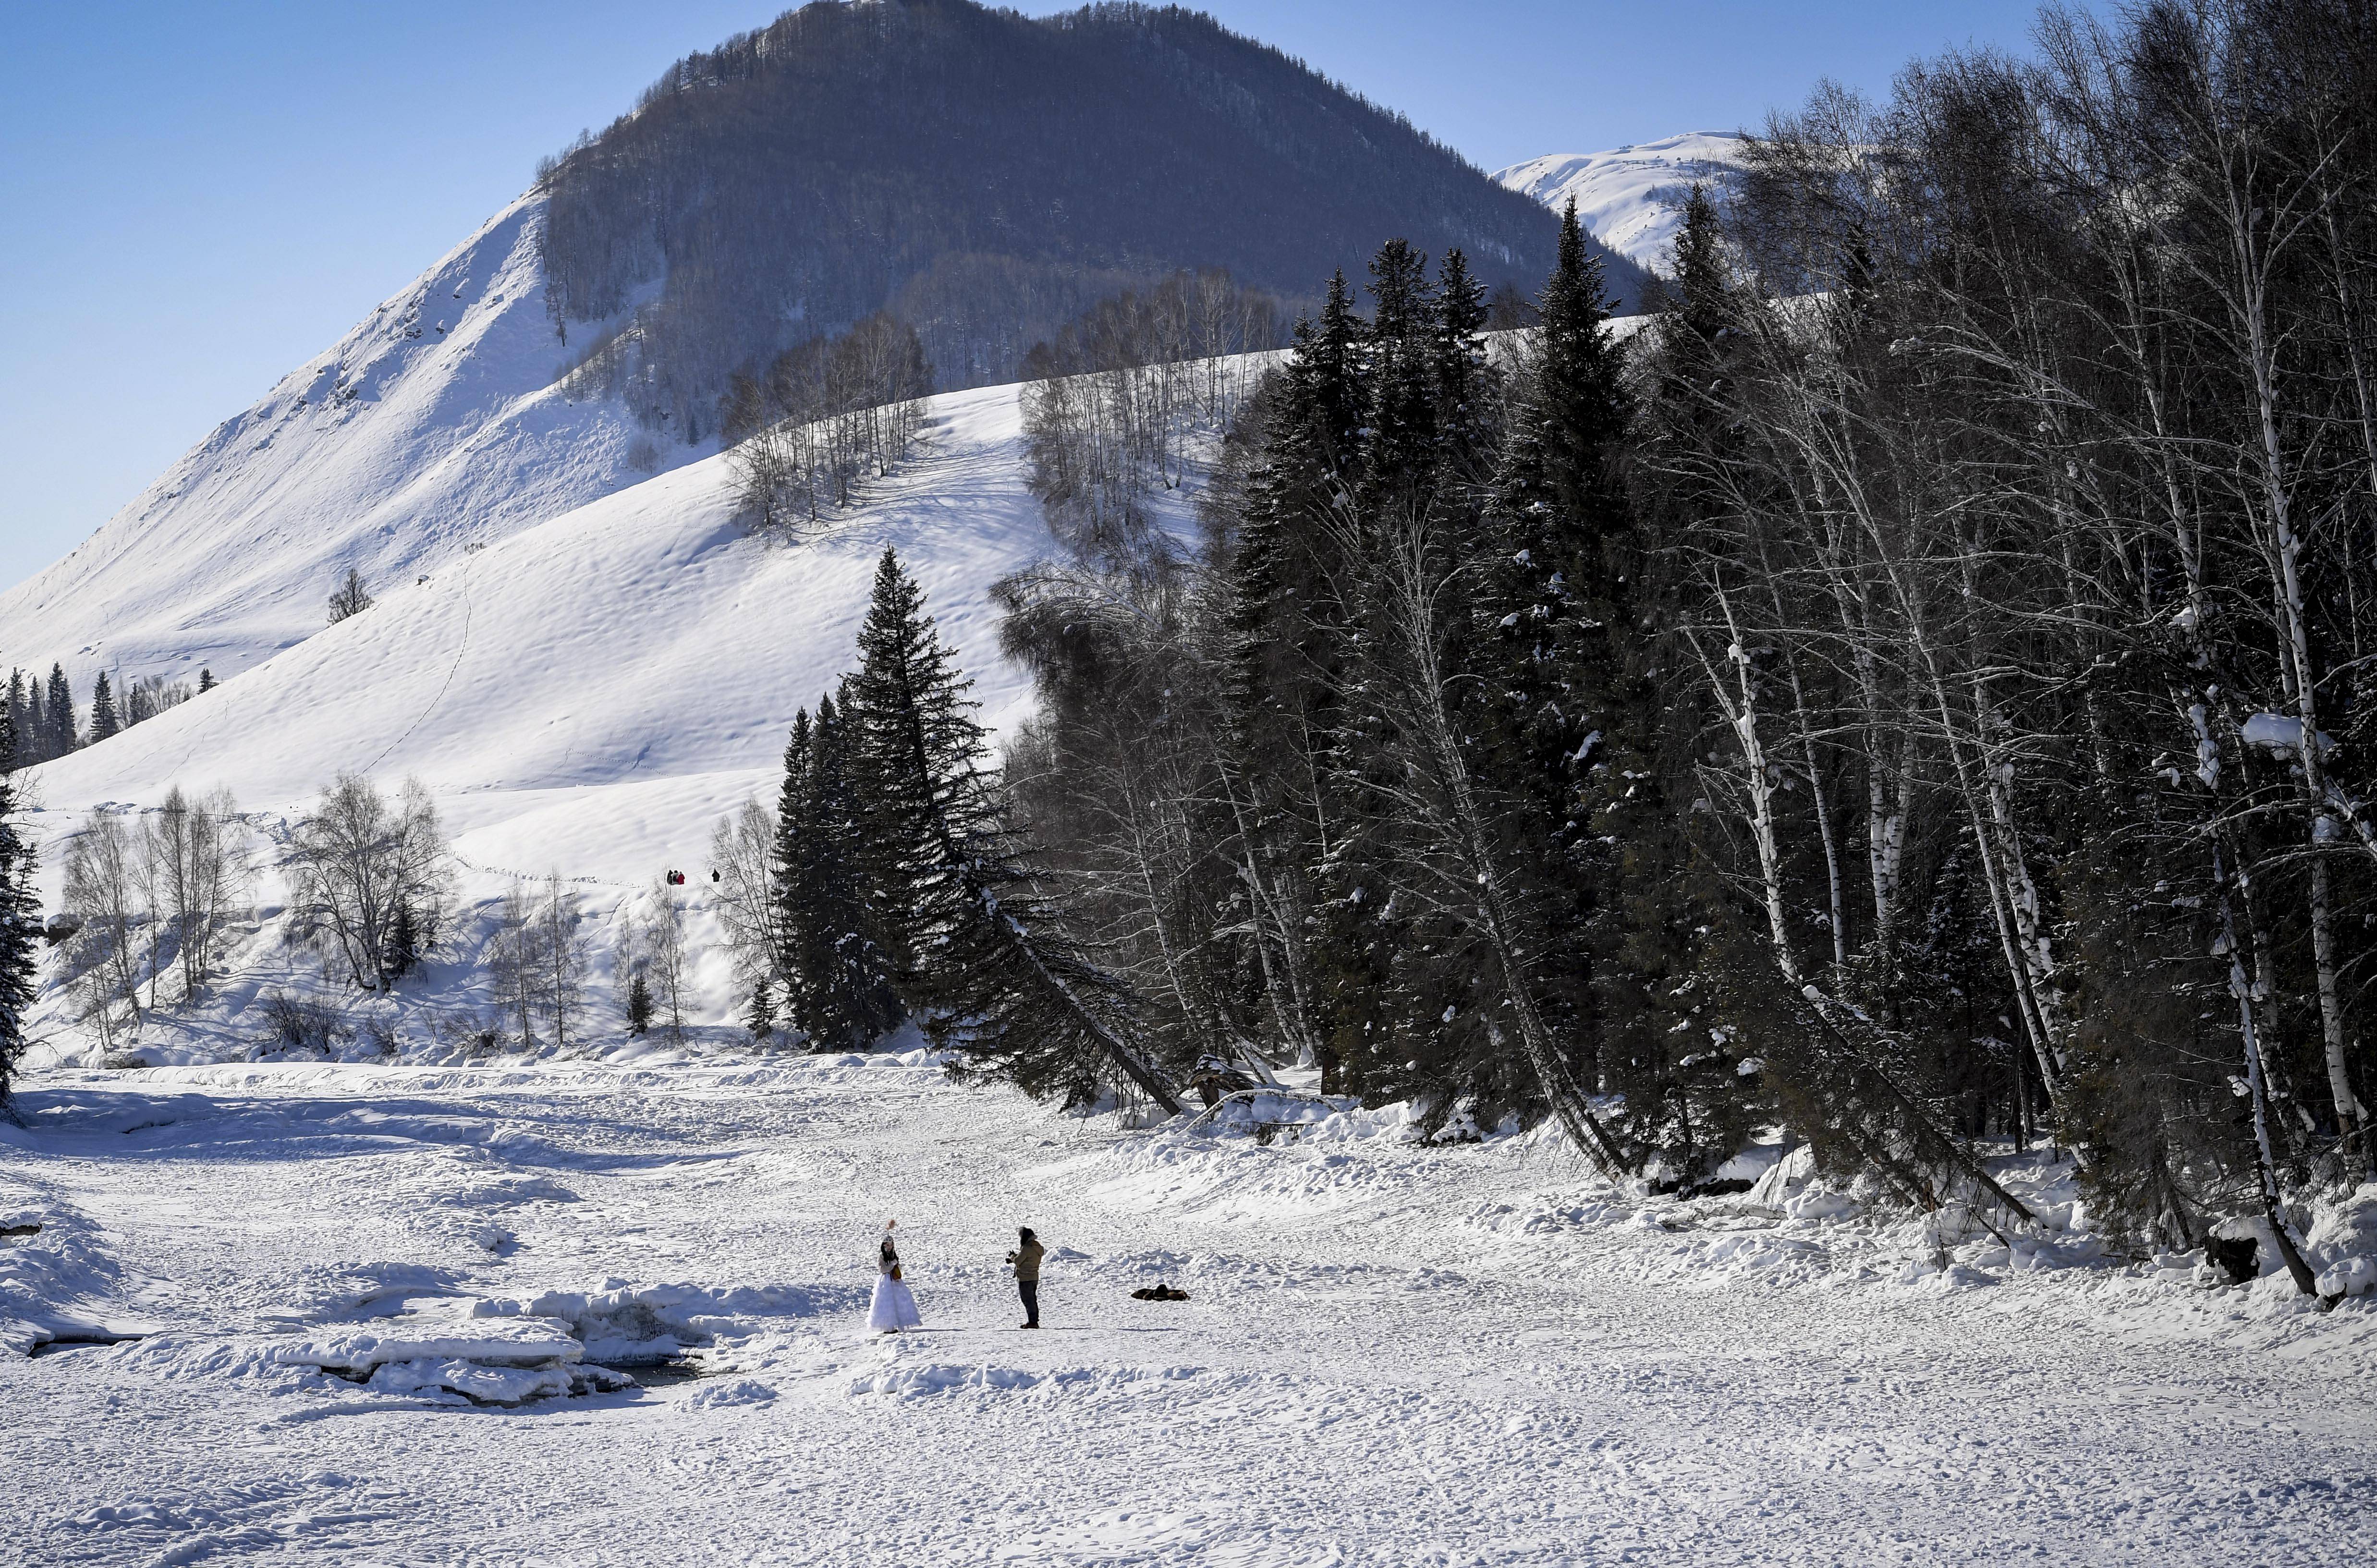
1392,1352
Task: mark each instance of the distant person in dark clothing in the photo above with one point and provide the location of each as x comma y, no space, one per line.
1026,1259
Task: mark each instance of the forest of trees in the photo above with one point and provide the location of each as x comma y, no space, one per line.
982,176
825,417
44,724
1912,692
890,883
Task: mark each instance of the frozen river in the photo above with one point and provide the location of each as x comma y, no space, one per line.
1472,1355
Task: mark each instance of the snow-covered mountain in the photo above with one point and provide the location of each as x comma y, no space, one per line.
433,425
1626,197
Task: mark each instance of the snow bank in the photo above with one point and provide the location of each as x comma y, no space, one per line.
620,1322
501,1342
56,1277
725,1396
2342,1244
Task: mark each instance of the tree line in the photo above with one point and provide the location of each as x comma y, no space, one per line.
1121,402
1912,692
45,722
826,416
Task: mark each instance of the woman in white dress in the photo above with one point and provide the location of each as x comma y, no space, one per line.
894,1308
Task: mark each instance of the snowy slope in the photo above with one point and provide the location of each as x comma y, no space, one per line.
643,645
433,424
588,696
1624,195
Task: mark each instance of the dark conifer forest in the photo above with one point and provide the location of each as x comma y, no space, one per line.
1911,691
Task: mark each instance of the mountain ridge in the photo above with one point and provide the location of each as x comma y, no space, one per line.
433,424
1626,195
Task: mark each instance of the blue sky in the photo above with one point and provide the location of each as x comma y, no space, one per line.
201,196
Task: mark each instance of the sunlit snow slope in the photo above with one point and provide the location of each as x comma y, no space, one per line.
643,648
1626,197
588,696
435,424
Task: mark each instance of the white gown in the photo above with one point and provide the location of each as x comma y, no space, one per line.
892,1307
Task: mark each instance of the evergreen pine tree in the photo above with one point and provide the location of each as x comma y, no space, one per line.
1399,376
640,1003
759,1015
33,741
974,944
1364,947
404,942
838,991
1329,360
1580,406
104,720
1465,380
19,718
60,737
205,680
1658,960
21,919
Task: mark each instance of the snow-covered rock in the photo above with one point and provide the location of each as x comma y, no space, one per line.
2342,1244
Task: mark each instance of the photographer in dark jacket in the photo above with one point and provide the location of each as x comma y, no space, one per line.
1026,1259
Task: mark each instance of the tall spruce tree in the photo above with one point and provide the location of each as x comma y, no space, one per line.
838,990
60,737
1400,376
1559,642
1666,966
104,721
1465,379
975,945
1363,932
21,919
